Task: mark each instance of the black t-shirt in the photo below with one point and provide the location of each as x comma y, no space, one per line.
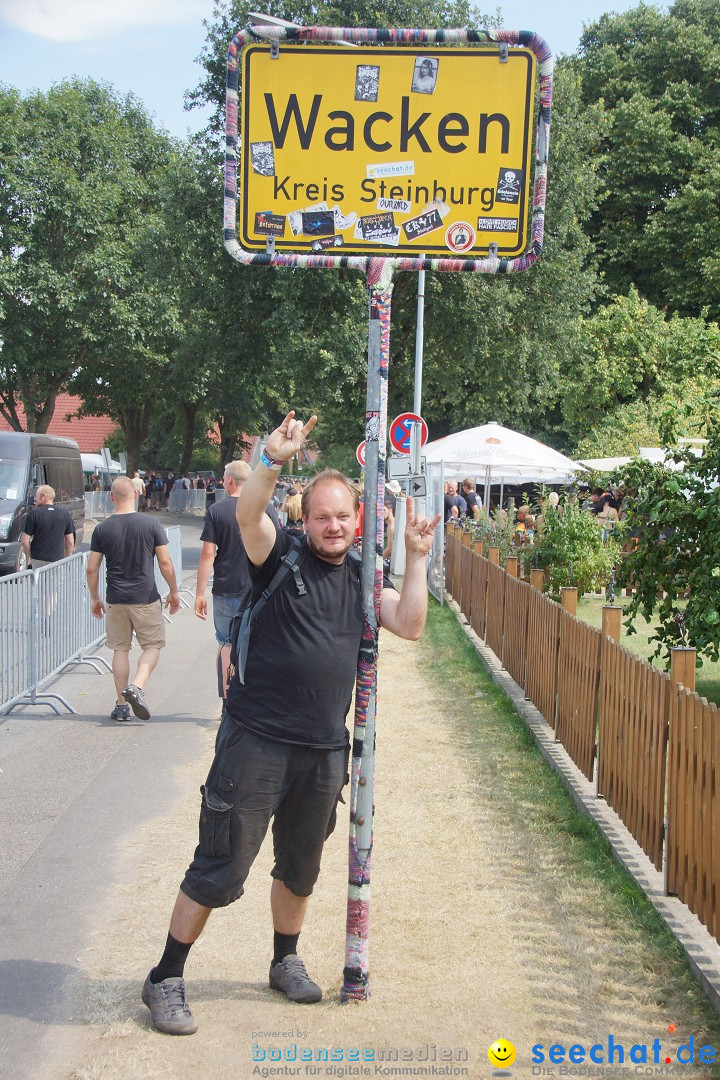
471,499
303,653
48,525
128,542
231,569
454,500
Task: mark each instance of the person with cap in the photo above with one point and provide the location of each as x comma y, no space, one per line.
393,492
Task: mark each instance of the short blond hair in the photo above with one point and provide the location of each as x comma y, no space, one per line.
47,491
122,488
329,476
238,471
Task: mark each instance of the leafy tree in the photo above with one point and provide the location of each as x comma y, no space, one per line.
630,360
657,225
676,518
76,178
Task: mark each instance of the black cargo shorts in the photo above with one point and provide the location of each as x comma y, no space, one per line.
251,781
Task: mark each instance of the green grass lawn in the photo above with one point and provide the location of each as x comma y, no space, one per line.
708,676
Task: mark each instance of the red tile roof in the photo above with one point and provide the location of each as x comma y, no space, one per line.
90,433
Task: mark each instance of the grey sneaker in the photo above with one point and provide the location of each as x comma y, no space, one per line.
290,975
135,698
120,712
168,1006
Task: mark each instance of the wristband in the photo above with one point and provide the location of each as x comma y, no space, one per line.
271,463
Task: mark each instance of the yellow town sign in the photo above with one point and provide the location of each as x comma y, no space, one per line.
386,149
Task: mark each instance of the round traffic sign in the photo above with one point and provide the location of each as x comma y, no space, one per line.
360,454
400,430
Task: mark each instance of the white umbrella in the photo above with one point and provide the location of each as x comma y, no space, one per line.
501,455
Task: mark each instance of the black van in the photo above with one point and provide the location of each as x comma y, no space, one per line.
26,461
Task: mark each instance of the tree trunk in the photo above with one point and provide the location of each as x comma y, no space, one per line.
135,423
229,436
190,411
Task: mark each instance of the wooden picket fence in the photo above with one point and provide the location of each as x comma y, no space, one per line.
652,746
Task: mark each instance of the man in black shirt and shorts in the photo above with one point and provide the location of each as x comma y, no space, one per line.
49,533
223,554
130,542
275,757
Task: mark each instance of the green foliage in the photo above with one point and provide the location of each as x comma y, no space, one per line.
676,519
79,175
631,362
571,546
658,223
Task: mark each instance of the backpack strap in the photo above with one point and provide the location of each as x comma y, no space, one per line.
289,564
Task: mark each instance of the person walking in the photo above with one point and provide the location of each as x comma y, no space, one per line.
223,555
272,761
130,542
49,533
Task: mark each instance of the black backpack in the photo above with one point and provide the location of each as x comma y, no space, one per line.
242,624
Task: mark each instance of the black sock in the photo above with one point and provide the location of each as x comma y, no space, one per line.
172,961
284,945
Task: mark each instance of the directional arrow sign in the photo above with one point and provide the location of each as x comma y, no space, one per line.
418,487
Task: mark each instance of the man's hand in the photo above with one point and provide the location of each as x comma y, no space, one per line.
200,606
98,609
287,439
419,531
173,602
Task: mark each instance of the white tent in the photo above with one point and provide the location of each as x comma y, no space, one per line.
498,455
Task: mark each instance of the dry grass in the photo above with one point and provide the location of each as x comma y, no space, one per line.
485,923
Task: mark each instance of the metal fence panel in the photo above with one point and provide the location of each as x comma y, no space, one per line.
435,504
16,656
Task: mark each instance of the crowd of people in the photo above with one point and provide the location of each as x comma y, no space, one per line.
608,505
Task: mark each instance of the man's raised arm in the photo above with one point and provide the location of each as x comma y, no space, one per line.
257,530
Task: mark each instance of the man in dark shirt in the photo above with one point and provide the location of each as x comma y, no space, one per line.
453,500
49,532
223,555
130,542
284,755
470,496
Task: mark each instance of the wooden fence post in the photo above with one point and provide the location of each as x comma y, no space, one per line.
682,666
511,565
611,621
537,579
478,547
568,598
494,555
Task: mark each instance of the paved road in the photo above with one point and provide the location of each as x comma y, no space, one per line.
70,788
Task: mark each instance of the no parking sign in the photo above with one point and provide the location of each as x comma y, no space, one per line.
400,430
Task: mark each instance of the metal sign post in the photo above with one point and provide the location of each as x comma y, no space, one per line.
371,159
362,773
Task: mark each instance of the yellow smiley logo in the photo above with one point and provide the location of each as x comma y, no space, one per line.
501,1054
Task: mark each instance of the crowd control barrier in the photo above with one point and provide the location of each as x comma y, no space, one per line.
186,501
98,505
46,623
174,535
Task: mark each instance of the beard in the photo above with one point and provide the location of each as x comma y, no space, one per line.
335,554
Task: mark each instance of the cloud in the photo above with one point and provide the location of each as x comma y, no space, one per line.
87,20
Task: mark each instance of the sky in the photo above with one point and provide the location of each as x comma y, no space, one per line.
150,47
